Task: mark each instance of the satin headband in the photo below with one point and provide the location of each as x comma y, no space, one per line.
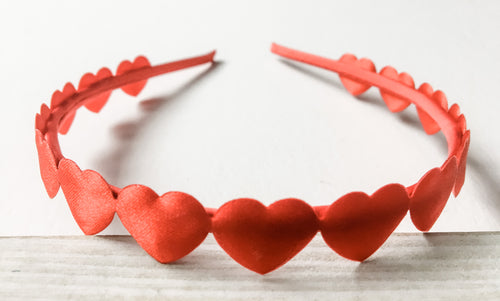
261,238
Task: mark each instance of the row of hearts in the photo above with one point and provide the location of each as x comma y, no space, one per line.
170,226
398,104
351,237
97,103
394,103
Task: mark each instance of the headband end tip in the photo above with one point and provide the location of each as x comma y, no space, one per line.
274,47
211,55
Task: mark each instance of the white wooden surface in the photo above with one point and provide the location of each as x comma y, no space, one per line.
456,266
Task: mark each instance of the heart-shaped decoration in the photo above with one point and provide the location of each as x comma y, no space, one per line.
264,238
97,102
139,62
356,225
454,112
168,227
462,124
430,126
354,87
431,193
41,118
48,165
393,102
88,195
462,162
57,98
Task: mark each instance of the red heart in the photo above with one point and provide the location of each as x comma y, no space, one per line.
354,87
395,103
263,238
454,112
462,162
57,98
88,195
430,126
97,102
42,118
462,124
139,62
431,193
356,225
167,227
48,165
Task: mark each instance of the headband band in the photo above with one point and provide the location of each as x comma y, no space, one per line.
259,237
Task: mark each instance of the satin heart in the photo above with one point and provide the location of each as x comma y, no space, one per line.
97,102
355,87
356,225
430,126
462,162
41,118
57,98
139,62
264,238
48,165
431,193
393,102
454,112
88,195
168,227
462,124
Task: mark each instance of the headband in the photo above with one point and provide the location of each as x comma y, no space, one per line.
261,238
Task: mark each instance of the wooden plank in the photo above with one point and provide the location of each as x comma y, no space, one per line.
410,266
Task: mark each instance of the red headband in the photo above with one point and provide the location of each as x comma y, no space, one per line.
260,238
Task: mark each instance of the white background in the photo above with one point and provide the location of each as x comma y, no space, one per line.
253,125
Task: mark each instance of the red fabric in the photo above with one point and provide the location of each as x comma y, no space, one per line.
356,225
168,227
462,162
428,123
393,102
57,98
260,238
354,87
423,101
96,103
42,118
88,195
125,66
454,111
431,194
462,124
264,238
48,166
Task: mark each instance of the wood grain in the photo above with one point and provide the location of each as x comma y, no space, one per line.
411,266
